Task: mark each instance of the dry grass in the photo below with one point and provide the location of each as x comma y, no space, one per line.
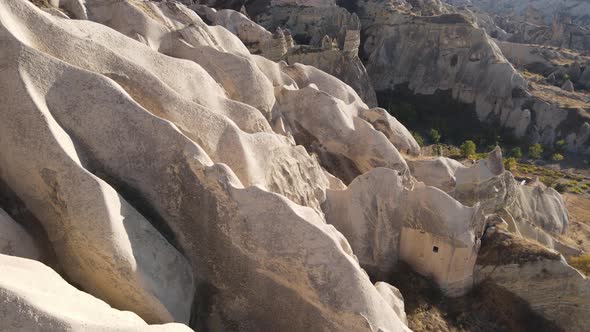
555,95
531,76
145,7
582,263
578,207
486,308
41,3
500,247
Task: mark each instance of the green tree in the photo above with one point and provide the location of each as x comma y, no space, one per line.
439,150
535,151
557,157
515,153
549,181
510,164
418,139
468,149
404,112
559,145
434,136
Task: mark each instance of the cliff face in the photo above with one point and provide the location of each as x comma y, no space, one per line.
431,54
449,55
557,23
538,11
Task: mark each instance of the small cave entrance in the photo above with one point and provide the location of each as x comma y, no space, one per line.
454,60
435,249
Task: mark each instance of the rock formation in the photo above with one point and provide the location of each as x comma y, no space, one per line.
386,222
35,298
464,65
341,61
256,38
14,239
556,23
532,211
411,54
537,11
92,99
539,276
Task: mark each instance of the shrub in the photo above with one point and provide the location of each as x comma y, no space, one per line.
41,3
576,190
439,150
535,151
418,139
559,145
404,112
468,149
515,153
561,187
434,136
454,152
557,157
581,263
510,164
550,182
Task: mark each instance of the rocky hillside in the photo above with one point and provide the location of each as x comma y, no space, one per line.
440,59
170,166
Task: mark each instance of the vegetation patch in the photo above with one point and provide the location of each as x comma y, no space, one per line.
487,307
500,247
41,3
582,263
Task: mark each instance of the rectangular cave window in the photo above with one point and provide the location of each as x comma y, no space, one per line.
435,249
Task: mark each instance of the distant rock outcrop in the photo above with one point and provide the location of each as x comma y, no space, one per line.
562,23
340,60
448,55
